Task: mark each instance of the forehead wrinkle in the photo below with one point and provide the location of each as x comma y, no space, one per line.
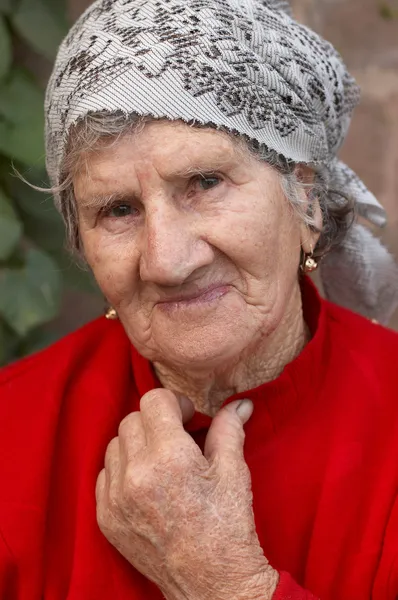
204,161
221,154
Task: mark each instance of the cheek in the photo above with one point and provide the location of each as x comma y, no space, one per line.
261,236
114,265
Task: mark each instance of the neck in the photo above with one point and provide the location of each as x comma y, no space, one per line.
263,361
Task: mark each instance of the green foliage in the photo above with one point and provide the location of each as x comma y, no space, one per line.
5,47
34,268
41,23
30,292
21,110
387,11
6,6
10,228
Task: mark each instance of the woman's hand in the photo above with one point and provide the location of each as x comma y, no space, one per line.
184,519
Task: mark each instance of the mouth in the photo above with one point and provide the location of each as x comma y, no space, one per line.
201,297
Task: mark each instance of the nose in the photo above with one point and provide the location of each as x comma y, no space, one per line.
171,247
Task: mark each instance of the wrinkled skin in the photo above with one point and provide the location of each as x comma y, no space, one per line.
182,518
198,250
172,211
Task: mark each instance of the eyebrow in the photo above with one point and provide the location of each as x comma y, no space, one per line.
103,201
207,166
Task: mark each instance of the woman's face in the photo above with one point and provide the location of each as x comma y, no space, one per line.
191,242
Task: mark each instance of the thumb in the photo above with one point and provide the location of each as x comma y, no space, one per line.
226,435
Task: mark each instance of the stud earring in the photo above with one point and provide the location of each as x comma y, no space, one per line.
111,314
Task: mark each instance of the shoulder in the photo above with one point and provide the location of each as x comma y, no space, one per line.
79,348
371,346
346,323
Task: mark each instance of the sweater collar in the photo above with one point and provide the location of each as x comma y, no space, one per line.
297,385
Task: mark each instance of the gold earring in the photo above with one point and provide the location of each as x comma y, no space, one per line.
111,314
308,263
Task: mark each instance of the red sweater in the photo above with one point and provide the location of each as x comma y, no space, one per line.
322,447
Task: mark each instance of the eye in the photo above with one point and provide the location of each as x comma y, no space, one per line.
120,210
206,182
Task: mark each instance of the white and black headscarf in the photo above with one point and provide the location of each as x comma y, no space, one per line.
245,66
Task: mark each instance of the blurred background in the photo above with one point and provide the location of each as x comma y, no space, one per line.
43,294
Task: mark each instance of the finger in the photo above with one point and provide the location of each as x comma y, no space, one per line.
102,498
132,438
114,475
112,458
162,416
226,435
100,487
112,467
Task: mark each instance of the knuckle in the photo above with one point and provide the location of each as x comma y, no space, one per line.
154,397
137,486
102,519
112,446
128,422
135,479
100,486
234,428
111,450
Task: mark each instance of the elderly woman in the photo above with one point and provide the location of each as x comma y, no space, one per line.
192,151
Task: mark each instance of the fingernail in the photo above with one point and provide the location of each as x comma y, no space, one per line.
244,410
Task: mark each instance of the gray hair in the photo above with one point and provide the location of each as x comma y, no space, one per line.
240,66
96,128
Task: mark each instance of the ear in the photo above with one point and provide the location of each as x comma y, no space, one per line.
309,235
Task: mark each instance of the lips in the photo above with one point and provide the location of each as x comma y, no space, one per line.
208,294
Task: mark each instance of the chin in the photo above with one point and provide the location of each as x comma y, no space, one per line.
197,356
206,347
205,338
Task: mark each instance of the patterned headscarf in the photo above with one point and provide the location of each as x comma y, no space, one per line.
245,66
